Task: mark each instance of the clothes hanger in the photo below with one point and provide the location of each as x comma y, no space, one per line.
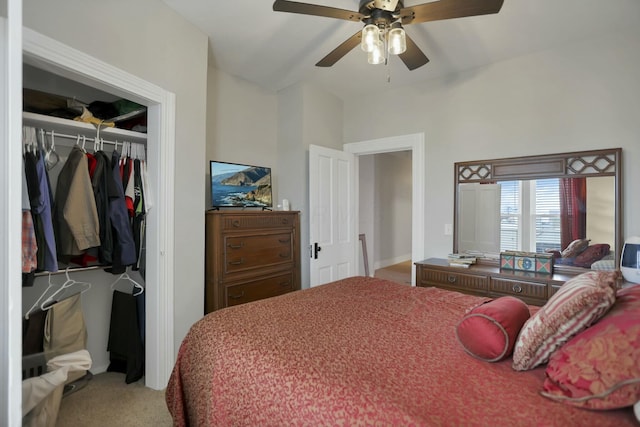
136,285
35,304
51,158
49,302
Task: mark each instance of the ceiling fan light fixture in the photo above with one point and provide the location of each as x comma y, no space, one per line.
370,37
377,56
397,39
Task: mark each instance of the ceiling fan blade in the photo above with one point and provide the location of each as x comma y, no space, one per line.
447,9
413,57
312,9
341,50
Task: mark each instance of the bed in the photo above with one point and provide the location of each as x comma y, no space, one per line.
359,351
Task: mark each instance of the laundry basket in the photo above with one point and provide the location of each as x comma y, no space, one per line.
34,365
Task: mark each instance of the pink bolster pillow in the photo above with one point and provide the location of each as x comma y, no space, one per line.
489,331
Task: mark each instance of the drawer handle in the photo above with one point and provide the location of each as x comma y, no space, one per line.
235,223
240,246
285,221
451,279
285,284
239,262
237,296
516,288
287,240
287,255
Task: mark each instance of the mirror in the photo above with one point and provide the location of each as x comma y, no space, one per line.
541,204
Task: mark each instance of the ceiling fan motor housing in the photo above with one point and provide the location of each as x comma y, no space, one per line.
388,5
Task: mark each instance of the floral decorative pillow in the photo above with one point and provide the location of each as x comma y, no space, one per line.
591,254
489,331
577,304
600,367
575,248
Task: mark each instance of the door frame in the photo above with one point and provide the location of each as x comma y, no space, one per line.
416,144
10,212
71,63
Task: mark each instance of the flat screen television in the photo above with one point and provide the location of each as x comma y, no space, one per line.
240,185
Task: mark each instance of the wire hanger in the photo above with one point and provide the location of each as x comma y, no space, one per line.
51,157
49,302
35,304
136,285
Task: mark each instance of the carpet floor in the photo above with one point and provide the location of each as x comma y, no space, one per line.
107,400
400,273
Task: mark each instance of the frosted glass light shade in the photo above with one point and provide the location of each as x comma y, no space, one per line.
370,37
397,40
376,56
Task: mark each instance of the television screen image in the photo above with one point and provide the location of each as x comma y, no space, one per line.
239,185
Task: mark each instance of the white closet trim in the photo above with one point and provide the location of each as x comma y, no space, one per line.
10,217
60,59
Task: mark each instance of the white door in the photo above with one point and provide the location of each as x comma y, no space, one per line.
332,233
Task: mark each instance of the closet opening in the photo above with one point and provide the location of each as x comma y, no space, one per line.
50,62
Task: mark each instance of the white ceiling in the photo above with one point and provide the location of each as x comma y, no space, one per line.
276,49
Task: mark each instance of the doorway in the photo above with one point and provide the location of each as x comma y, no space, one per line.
385,185
415,144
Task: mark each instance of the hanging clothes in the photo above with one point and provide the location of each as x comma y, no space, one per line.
104,189
128,185
126,351
124,249
33,187
29,243
139,215
43,209
76,220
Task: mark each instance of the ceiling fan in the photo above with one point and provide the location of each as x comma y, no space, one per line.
383,32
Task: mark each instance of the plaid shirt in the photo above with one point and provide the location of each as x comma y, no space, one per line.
29,246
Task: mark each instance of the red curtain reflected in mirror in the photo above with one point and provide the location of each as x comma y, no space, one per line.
573,209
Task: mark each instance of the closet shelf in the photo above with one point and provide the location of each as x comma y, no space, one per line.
60,125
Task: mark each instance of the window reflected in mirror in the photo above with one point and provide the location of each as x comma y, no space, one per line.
538,215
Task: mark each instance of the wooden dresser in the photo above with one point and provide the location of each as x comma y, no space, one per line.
488,280
250,255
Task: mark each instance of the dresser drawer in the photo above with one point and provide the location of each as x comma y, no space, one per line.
242,253
253,222
453,280
518,288
553,289
258,289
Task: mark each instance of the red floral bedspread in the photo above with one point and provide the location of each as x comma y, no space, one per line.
360,351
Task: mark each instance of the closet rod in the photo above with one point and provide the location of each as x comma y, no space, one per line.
87,139
71,270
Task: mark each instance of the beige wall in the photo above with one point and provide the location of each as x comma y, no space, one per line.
578,96
133,36
392,207
306,115
601,218
242,125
